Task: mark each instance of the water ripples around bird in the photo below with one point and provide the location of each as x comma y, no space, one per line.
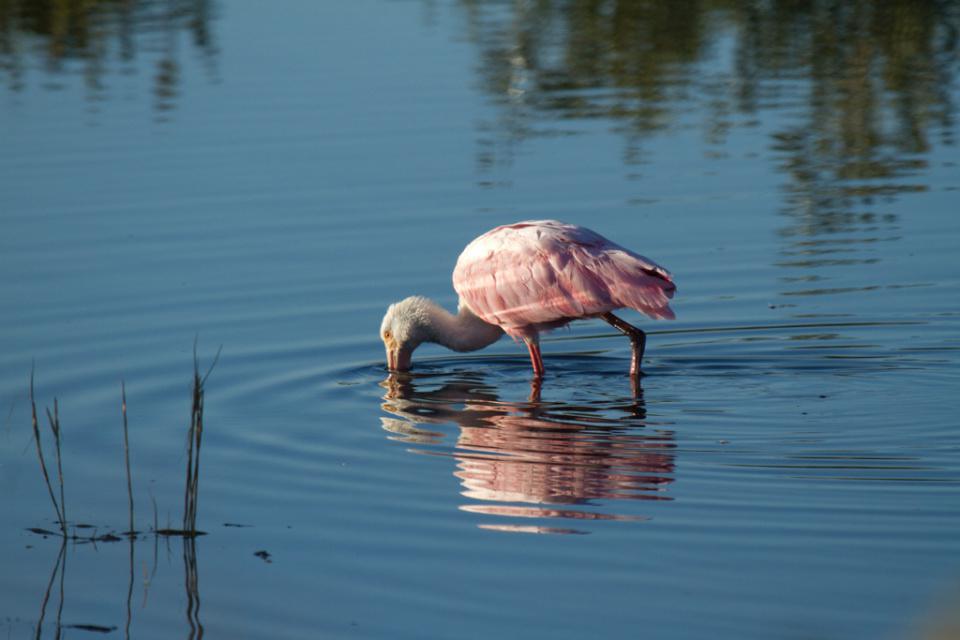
586,447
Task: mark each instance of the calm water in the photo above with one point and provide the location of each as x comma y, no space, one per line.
269,180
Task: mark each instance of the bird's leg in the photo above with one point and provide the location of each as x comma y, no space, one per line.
534,347
535,386
638,340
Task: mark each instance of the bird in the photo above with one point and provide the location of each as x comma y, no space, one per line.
528,277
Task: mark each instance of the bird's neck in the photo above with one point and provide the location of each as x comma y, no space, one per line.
461,332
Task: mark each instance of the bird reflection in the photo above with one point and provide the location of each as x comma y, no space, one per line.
534,459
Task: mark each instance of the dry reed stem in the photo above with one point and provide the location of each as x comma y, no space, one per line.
189,524
126,453
43,464
55,428
131,534
194,442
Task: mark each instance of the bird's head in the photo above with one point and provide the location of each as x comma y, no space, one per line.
405,326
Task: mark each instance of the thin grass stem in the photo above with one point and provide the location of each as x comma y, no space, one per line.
43,464
55,428
126,453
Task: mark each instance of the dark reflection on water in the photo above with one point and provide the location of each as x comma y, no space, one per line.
92,39
533,459
865,82
56,592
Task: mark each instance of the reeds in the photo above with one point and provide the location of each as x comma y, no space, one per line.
131,532
188,532
191,491
191,488
126,454
54,419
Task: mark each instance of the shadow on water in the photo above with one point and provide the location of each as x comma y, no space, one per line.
533,460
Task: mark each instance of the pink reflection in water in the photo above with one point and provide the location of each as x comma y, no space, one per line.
533,453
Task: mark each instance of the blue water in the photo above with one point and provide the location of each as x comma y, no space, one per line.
269,180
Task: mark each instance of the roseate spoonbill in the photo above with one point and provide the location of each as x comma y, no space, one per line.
524,278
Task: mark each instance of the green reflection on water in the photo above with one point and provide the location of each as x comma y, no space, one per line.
88,38
877,75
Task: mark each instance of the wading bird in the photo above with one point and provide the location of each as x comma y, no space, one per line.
524,278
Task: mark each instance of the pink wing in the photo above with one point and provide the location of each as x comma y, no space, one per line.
537,275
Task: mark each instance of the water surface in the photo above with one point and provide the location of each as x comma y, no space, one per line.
270,181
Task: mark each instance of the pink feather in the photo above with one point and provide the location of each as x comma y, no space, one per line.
539,275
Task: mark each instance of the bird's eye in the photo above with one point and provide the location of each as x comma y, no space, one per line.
387,335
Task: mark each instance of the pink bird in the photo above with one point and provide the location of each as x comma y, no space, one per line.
524,278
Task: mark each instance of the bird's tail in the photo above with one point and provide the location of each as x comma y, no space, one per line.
643,285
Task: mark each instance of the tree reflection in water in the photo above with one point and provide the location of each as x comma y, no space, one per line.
868,82
84,38
570,461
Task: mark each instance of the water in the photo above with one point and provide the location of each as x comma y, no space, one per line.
269,181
